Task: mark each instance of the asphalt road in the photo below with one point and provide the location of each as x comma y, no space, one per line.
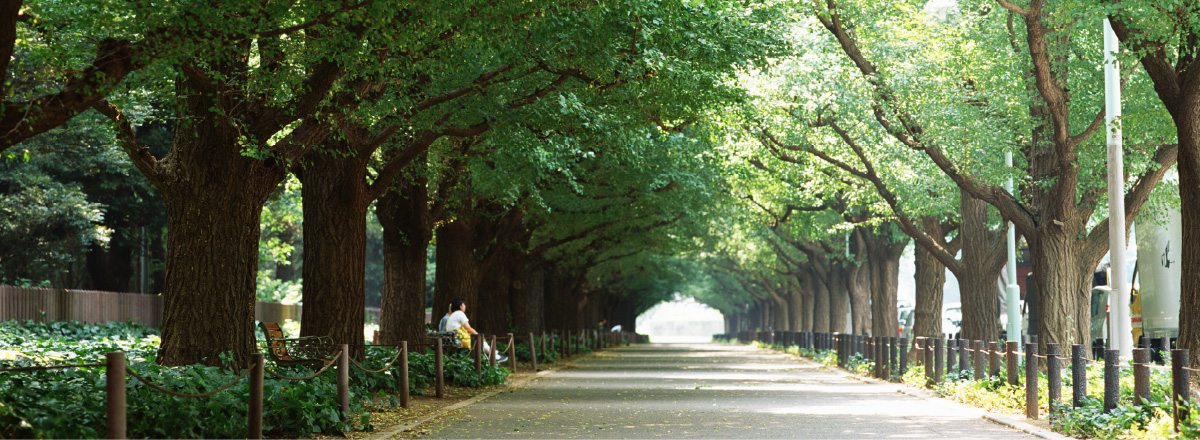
711,391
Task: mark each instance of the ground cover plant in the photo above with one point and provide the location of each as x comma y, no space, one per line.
69,403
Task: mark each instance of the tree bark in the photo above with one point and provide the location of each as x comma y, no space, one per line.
883,256
404,215
857,283
1065,313
930,280
459,271
780,316
839,297
214,197
982,260
335,241
528,299
495,289
820,305
1188,125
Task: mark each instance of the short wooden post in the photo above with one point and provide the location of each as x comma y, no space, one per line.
343,380
1053,375
1078,375
1112,379
1031,381
492,354
114,375
951,355
939,353
533,352
1141,376
964,355
1180,392
1012,362
255,412
543,341
980,353
512,353
477,352
927,349
903,356
892,351
993,359
404,391
440,366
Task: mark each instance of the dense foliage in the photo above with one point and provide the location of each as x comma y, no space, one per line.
69,403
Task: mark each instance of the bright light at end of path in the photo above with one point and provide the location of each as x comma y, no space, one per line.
681,321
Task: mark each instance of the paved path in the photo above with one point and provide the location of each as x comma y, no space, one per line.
711,391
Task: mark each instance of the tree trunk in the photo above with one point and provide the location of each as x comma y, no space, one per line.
839,297
977,286
1063,289
495,289
930,280
459,271
1188,127
335,242
214,197
404,216
111,269
857,283
883,257
780,320
820,305
528,299
796,310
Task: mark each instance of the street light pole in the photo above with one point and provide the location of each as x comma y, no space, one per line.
1012,292
1123,339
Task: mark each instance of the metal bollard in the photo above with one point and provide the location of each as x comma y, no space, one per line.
440,366
404,391
1112,379
1031,381
979,357
343,380
114,375
533,352
1078,375
255,412
939,354
1011,362
993,359
1141,376
1053,375
1179,385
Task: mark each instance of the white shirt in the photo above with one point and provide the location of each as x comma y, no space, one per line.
457,319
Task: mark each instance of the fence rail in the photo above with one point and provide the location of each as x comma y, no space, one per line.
48,305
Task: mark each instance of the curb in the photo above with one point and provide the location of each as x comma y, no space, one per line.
408,426
902,388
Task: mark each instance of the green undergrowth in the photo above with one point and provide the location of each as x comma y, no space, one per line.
69,403
1127,421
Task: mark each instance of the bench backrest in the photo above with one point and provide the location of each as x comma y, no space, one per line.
273,334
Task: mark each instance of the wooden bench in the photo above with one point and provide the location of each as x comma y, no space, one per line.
312,351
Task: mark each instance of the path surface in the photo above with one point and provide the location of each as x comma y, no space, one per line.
711,391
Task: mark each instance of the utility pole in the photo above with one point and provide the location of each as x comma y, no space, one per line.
1120,336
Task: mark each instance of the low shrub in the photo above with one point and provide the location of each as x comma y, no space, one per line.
69,403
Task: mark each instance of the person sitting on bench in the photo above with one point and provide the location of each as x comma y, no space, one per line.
458,318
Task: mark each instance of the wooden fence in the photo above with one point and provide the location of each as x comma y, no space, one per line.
48,305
